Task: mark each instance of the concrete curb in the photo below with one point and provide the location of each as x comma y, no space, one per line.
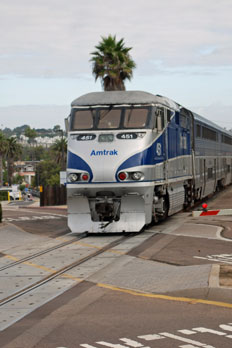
224,212
214,277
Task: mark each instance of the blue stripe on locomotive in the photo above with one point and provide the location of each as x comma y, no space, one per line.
179,139
179,144
152,155
76,162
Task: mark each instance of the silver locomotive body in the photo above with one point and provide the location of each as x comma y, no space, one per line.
115,155
135,157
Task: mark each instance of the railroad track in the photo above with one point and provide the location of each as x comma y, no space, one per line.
60,271
46,251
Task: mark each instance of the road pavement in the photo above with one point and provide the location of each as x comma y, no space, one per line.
172,290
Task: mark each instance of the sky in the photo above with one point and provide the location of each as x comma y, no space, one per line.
182,50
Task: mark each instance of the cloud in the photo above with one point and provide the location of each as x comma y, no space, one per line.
36,116
214,112
54,38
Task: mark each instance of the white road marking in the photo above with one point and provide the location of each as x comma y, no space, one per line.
151,337
187,332
32,218
186,340
226,327
32,211
187,346
224,258
204,330
111,345
131,343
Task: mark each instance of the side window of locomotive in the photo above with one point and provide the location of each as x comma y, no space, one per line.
159,124
109,118
82,119
183,121
135,118
169,115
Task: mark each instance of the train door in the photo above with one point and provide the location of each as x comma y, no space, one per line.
160,123
201,177
224,171
185,143
204,177
215,174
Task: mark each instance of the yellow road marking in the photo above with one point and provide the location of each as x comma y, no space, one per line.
69,276
42,267
166,297
133,292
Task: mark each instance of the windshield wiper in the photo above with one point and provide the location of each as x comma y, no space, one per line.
102,116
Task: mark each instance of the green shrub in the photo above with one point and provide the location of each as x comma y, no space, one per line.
22,187
3,196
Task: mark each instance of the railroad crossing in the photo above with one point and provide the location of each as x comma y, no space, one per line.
168,286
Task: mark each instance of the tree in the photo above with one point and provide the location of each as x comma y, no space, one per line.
60,150
31,134
112,63
56,128
13,150
46,171
3,146
17,179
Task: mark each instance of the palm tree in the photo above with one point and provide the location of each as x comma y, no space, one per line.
13,149
2,153
60,150
112,63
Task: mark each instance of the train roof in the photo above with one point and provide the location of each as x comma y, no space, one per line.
121,98
136,98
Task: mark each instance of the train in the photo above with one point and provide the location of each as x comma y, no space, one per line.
135,158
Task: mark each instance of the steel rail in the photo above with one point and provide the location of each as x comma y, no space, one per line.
33,256
63,270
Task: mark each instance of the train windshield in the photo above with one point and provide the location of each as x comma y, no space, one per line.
110,118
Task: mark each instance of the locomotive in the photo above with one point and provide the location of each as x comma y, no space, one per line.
135,158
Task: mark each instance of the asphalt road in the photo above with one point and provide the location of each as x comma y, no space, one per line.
92,316
156,295
47,221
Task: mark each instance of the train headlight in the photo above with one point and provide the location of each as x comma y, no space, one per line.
73,177
85,177
136,176
122,176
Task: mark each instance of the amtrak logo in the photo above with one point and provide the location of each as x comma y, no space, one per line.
104,153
